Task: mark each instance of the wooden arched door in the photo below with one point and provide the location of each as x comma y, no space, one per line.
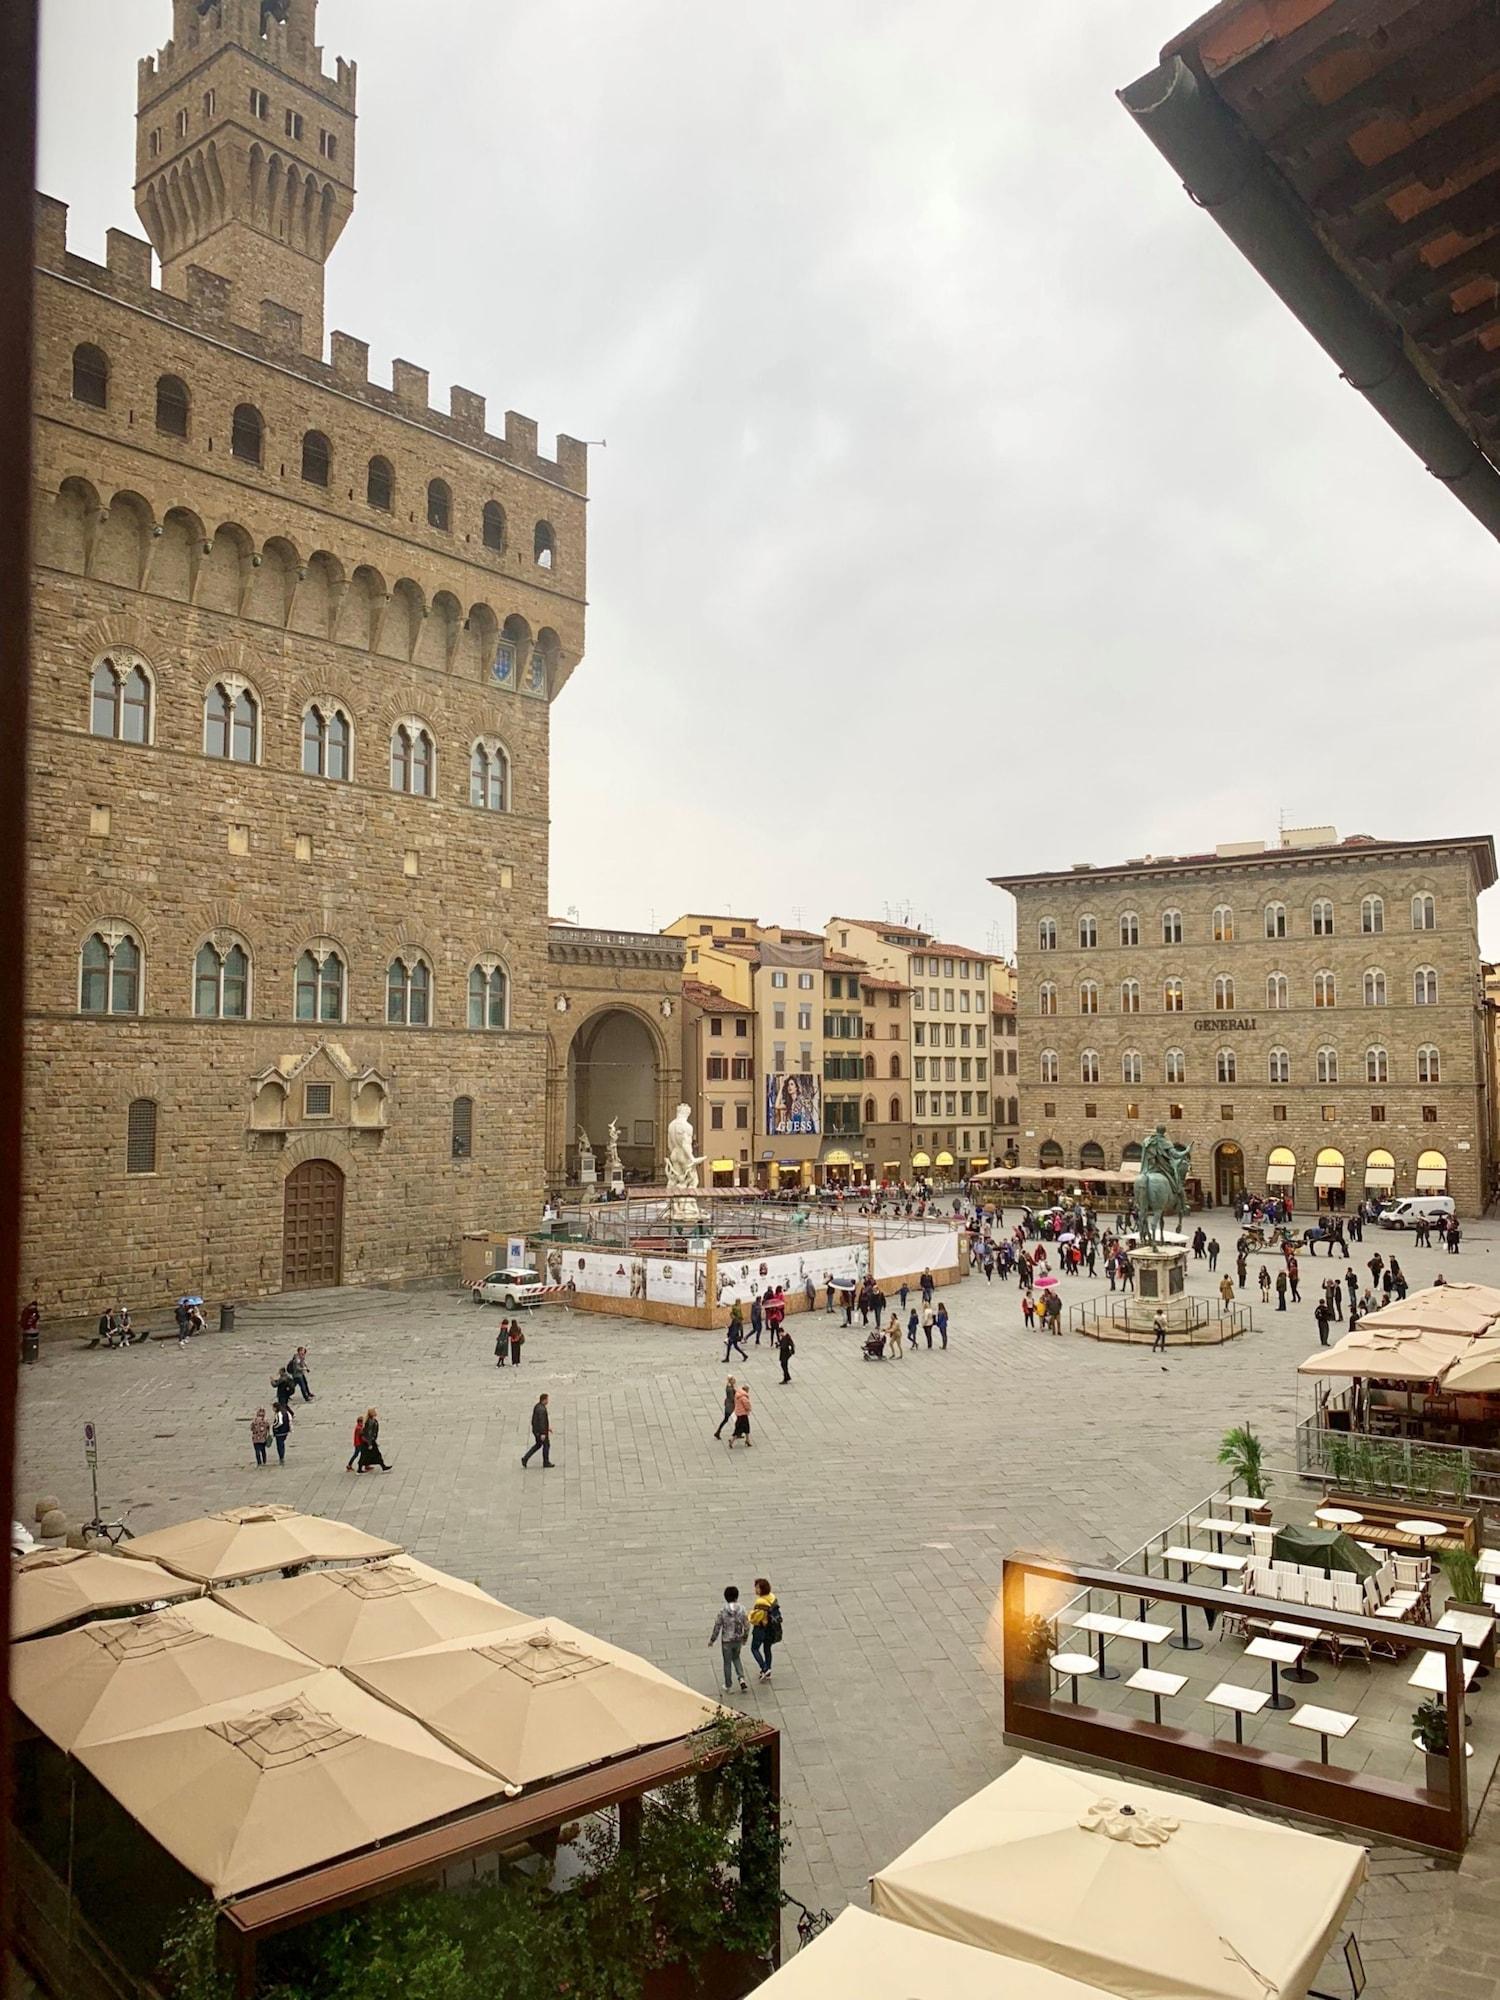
312,1243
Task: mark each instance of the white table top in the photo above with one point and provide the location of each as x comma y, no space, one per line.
1244,1502
1492,1595
1152,1681
1327,1721
1211,1525
1285,1652
1422,1528
1339,1517
1074,1663
1306,1633
1249,1701
1204,1556
1473,1627
1431,1673
1488,1562
1099,1621
1148,1634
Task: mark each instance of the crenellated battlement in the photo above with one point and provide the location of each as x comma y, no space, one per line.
212,308
287,45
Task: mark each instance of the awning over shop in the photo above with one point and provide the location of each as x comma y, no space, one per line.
1130,1170
1279,1176
1431,1180
836,1158
980,1160
1389,1357
1379,1177
920,1160
1324,1177
945,1159
721,1166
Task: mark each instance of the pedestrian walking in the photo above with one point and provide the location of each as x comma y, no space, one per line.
757,1320
828,1293
541,1435
929,1285
929,1320
1281,1291
734,1333
731,1629
1213,1253
942,1323
785,1349
281,1430
729,1388
283,1384
370,1453
260,1434
517,1340
297,1369
810,1293
1291,1278
741,1416
911,1327
502,1343
1320,1314
765,1625
1264,1281
901,1294
1028,1309
359,1438
893,1338
1241,1267
1226,1293
1159,1332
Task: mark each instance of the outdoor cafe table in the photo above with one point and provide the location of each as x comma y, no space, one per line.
1103,1625
1219,1529
1244,1701
1148,1634
1421,1529
1302,1635
1327,1721
1477,1630
1431,1674
1488,1562
1245,1503
1072,1664
1188,1557
1337,1517
1281,1653
1156,1684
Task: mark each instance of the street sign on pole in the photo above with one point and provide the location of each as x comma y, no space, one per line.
91,1459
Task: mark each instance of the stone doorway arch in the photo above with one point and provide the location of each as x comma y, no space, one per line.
1229,1173
615,1067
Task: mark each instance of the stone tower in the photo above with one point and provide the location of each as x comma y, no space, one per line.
245,152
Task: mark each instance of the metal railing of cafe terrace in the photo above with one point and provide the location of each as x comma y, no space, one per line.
1364,1462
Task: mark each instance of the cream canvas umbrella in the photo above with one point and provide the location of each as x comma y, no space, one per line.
1134,1890
860,1957
237,1542
1400,1355
120,1674
1438,1309
533,1701
249,1792
55,1586
344,1616
1478,1372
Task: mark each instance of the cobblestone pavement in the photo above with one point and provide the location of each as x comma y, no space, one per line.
879,1498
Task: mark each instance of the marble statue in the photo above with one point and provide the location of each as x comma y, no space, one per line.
585,1143
682,1162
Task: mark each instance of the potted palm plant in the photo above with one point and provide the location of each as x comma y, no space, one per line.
1465,1585
1241,1451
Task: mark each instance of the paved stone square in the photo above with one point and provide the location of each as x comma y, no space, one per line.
879,1498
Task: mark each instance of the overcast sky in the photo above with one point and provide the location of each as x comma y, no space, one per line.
968,505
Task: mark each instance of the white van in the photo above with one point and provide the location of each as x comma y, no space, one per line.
1407,1213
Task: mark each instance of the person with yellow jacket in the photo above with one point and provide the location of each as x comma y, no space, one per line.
765,1625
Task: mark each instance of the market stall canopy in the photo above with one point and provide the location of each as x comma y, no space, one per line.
237,1542
1462,1309
247,1793
117,1675
396,1605
860,1957
1130,1889
1322,1548
1395,1355
534,1701
1109,1174
56,1586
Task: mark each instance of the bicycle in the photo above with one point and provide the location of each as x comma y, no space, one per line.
113,1532
809,1925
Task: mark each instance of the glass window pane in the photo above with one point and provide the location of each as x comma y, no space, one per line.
135,707
125,982
421,980
312,744
497,998
330,989
338,734
395,992
497,782
103,717
236,1004
244,730
478,775
421,764
307,987
216,723
206,984
476,998
95,991
400,761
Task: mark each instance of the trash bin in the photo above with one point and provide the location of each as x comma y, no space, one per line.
31,1343
226,1318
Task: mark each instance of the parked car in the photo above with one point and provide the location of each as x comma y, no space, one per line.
1415,1208
521,1287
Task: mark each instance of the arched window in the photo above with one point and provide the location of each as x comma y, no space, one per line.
1328,1065
1429,1068
1223,924
439,505
1130,996
1088,1066
109,972
1132,1070
1091,1154
327,741
90,377
494,526
140,1136
869,1066
1088,933
1278,1067
1223,994
544,545
320,985
870,1113
1050,1153
1171,927
1171,996
1046,934
1372,915
221,983
1322,918
120,698
1377,1066
1047,1069
231,723
1226,1065
1325,990
1424,986
1276,920
317,459
1423,912
463,1127
489,996
408,993
247,434
1130,928
172,406
895,1065
1046,998
380,485
1174,1066
1088,996
413,760
1374,987
489,777
1278,990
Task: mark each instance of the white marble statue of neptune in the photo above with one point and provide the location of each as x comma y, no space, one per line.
682,1162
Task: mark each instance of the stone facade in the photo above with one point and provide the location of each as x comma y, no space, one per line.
614,1048
368,587
1307,1016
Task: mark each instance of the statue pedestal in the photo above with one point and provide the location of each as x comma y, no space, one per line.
1160,1276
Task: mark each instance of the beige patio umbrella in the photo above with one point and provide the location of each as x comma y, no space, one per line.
860,1957
1439,1309
1131,1889
54,1586
249,1792
396,1605
120,1674
1400,1355
533,1701
1478,1372
250,1541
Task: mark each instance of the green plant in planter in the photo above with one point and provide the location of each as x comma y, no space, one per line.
1241,1451
1336,1456
1429,1728
1463,1476
1459,1567
1039,1638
